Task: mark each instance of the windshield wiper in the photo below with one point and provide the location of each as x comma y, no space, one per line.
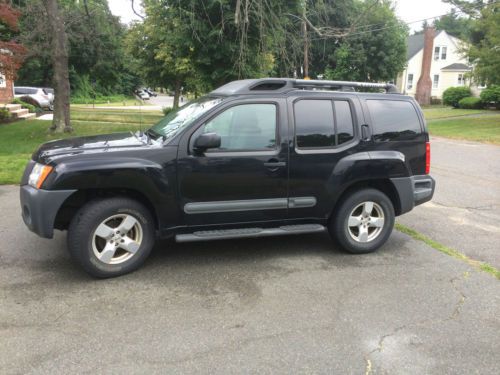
153,134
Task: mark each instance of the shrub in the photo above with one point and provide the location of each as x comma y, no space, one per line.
453,95
25,105
29,100
470,103
4,114
491,95
167,110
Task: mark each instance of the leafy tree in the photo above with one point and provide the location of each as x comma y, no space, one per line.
12,53
483,50
455,25
376,52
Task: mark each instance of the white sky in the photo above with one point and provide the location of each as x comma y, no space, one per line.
407,10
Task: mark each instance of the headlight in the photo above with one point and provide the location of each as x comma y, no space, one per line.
38,175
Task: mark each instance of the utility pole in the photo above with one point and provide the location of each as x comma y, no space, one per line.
306,41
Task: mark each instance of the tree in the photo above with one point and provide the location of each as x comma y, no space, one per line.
484,47
59,45
455,25
375,52
12,53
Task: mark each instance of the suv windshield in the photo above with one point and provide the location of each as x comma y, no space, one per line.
178,119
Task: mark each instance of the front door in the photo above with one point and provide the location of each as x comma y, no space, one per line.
245,179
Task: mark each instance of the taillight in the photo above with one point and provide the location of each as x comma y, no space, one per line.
427,157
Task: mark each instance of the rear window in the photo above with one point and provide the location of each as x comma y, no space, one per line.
393,120
322,123
25,91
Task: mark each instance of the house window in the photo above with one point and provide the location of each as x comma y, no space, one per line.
443,53
440,52
409,82
436,53
460,79
435,81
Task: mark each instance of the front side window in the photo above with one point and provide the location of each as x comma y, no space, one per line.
393,120
179,119
435,81
245,127
322,123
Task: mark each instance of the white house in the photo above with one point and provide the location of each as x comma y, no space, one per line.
448,67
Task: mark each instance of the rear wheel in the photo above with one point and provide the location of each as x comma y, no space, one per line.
111,237
363,221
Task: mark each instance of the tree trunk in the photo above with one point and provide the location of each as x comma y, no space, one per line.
61,121
177,93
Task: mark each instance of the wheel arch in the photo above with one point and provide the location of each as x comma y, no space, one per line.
78,199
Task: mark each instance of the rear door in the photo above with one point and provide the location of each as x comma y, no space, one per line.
325,129
245,180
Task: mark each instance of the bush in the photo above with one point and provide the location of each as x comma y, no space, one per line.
29,100
491,95
453,95
167,110
29,107
4,114
470,103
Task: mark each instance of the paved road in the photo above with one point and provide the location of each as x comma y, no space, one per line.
465,211
275,305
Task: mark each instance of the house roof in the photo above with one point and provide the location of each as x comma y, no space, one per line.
415,43
457,66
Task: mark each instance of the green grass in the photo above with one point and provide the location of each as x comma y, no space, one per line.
481,129
126,102
448,250
19,140
432,113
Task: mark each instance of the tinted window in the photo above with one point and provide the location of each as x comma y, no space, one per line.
343,117
323,123
245,127
393,120
314,125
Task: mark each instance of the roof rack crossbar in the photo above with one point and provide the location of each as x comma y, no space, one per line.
344,85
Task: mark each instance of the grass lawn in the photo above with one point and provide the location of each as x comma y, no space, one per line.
126,102
19,140
432,113
481,128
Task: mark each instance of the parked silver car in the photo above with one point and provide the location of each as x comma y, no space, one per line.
39,95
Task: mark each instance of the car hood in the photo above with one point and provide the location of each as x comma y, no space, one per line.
91,145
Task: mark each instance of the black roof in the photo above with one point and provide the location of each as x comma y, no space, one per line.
284,85
415,43
457,66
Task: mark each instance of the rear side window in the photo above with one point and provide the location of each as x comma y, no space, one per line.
393,120
322,123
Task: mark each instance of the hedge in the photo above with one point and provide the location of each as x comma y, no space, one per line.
470,103
453,95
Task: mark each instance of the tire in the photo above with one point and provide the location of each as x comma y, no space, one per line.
353,230
111,237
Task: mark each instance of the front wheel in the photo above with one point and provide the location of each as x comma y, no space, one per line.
111,237
363,222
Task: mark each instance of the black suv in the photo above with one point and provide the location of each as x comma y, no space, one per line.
253,158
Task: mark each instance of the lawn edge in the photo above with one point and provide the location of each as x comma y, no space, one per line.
482,266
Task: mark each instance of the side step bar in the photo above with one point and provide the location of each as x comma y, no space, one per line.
224,234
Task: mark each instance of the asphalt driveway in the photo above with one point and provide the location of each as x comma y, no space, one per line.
274,305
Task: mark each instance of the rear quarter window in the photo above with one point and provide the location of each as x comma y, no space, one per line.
393,120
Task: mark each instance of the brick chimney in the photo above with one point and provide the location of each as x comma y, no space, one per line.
424,84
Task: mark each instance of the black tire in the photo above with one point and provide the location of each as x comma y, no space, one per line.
339,228
85,222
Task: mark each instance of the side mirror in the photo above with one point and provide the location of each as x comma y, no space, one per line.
206,141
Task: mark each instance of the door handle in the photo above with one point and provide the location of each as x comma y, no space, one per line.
365,133
274,164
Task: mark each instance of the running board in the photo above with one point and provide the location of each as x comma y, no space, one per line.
223,234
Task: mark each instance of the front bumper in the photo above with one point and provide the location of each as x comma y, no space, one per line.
413,191
40,207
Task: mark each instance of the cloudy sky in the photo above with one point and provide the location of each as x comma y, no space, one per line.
407,10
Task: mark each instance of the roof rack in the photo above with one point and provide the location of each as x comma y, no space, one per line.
284,85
